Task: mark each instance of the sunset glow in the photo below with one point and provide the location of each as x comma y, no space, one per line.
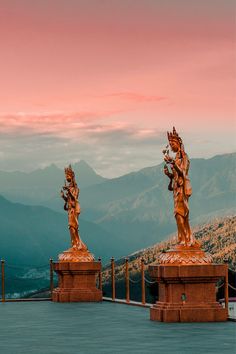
103,80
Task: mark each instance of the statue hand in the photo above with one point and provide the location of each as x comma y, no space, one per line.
62,194
168,159
166,171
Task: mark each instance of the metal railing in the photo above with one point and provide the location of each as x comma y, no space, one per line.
6,298
127,279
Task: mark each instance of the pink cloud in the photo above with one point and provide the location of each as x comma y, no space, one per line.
83,126
134,63
49,122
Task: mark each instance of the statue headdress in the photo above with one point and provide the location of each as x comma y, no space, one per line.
174,136
69,171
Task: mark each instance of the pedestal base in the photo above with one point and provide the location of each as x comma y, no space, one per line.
187,293
77,282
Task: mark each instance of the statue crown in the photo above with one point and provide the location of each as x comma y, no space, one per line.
174,136
69,171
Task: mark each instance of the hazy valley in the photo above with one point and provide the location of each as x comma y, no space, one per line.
119,216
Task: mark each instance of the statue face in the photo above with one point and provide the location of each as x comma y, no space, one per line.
175,146
68,178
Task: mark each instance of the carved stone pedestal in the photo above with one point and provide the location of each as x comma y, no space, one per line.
77,282
187,293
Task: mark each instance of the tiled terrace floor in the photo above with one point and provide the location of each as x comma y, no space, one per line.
54,328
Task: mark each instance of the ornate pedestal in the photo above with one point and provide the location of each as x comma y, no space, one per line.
77,282
187,293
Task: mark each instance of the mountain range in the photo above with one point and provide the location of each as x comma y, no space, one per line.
43,185
217,237
31,235
119,215
138,208
132,211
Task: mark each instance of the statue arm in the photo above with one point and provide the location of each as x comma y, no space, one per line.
170,186
177,169
171,176
73,193
168,173
63,196
183,167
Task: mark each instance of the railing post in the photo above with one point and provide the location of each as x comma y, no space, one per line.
100,276
127,280
3,279
51,276
113,279
226,289
143,282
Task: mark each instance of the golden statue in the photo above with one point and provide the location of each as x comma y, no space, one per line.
176,169
180,185
70,194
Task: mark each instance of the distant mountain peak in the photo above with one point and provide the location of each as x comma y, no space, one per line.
52,166
83,164
86,173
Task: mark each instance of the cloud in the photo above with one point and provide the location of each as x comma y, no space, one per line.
70,126
64,125
32,141
113,148
43,122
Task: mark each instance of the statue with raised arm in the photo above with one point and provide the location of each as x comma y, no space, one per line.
185,274
176,169
70,194
180,186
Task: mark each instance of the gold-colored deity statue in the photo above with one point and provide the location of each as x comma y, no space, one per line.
176,169
70,194
180,186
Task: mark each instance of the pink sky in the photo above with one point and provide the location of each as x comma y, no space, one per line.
84,69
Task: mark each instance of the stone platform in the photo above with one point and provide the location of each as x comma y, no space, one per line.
187,293
77,282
